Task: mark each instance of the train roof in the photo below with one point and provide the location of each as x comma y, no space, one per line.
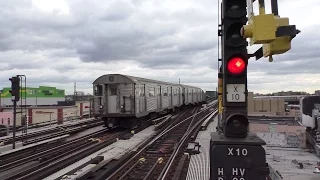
121,78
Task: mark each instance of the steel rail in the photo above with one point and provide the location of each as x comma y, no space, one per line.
165,170
165,131
42,153
65,159
50,130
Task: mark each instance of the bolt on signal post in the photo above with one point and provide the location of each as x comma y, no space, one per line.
234,151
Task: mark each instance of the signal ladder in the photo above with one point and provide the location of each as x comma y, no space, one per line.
23,105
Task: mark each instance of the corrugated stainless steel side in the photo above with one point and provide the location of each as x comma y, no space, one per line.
141,98
137,108
151,103
142,104
126,97
187,101
165,102
158,94
185,96
180,96
195,99
170,100
96,104
196,95
175,100
189,96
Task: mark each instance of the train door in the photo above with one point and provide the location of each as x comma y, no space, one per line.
192,98
187,96
198,96
97,99
159,97
126,100
113,99
142,98
184,96
179,96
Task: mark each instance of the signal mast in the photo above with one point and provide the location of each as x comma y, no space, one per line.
234,153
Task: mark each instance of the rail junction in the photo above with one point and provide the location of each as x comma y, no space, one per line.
171,135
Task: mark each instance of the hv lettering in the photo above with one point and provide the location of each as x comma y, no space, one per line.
239,172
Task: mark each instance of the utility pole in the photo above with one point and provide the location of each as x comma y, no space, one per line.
0,100
74,91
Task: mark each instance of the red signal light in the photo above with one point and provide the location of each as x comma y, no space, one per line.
236,65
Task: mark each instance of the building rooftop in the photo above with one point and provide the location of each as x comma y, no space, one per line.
274,120
292,163
286,152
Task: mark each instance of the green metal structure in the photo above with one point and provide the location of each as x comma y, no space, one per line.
42,91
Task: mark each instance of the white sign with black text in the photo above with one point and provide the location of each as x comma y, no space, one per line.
237,173
236,92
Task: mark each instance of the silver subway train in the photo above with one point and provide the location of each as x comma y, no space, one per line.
127,101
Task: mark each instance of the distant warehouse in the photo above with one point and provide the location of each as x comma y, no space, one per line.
43,95
211,95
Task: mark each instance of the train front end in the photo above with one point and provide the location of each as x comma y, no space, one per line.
114,100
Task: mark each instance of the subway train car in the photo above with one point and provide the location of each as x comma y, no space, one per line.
127,101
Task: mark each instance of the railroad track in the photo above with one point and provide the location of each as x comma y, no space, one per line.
39,162
53,132
44,163
61,132
160,158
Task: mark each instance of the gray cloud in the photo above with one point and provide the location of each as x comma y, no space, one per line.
110,31
301,58
162,40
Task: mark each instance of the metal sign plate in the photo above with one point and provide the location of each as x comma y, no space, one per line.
236,92
237,162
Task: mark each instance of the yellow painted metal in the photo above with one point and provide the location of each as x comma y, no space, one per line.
262,10
261,29
220,107
281,44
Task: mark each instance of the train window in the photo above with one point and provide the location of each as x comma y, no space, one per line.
98,90
142,91
165,91
152,91
113,90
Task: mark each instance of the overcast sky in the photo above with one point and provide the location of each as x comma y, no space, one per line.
58,42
